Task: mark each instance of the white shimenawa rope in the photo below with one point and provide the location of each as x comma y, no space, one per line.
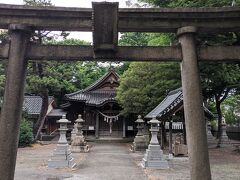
109,119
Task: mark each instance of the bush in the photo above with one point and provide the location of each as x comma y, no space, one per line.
26,135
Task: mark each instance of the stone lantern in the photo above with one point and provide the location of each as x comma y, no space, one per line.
153,157
210,139
79,123
78,143
140,142
62,156
223,139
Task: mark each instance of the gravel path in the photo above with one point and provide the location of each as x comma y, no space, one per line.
108,161
113,161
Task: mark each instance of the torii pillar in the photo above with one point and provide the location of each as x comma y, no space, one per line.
13,99
193,106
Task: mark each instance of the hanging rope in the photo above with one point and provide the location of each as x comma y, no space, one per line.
109,119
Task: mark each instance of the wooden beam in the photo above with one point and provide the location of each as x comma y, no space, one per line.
129,19
125,53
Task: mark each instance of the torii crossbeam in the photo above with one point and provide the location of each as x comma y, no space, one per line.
106,20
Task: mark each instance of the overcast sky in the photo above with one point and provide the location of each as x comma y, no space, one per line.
87,36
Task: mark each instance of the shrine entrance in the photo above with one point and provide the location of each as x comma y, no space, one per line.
110,125
106,20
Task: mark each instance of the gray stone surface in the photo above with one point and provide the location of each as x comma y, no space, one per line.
78,141
11,109
105,161
193,106
153,158
62,156
140,142
210,138
223,140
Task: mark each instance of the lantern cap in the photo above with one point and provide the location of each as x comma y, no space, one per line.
139,120
79,119
63,120
154,121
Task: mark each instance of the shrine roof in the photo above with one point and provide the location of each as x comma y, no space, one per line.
97,98
95,94
170,104
32,104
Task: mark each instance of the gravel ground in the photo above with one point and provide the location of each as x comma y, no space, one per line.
225,165
113,161
104,162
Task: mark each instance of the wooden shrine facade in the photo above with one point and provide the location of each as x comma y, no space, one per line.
105,20
99,108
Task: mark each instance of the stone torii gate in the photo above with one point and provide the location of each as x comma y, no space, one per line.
106,20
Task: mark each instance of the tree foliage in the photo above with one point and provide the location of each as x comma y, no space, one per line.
190,3
231,110
26,135
145,84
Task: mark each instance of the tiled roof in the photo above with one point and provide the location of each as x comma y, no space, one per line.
98,97
173,100
92,95
32,104
100,80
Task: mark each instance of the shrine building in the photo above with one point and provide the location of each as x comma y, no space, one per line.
99,108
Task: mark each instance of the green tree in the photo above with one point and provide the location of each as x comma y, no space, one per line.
145,84
193,3
26,135
217,79
231,110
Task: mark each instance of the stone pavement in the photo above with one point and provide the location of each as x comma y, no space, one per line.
113,161
105,161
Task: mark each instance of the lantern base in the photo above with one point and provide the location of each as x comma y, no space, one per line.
62,157
153,158
140,143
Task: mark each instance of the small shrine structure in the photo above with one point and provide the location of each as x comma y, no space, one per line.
99,108
169,110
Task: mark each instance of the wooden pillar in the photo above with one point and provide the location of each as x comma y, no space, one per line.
124,128
193,107
161,135
170,137
13,100
97,126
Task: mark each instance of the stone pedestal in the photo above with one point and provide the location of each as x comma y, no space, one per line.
210,139
140,142
223,139
62,156
74,132
153,157
146,133
78,143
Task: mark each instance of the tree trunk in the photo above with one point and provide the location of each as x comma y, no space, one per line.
219,112
42,116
